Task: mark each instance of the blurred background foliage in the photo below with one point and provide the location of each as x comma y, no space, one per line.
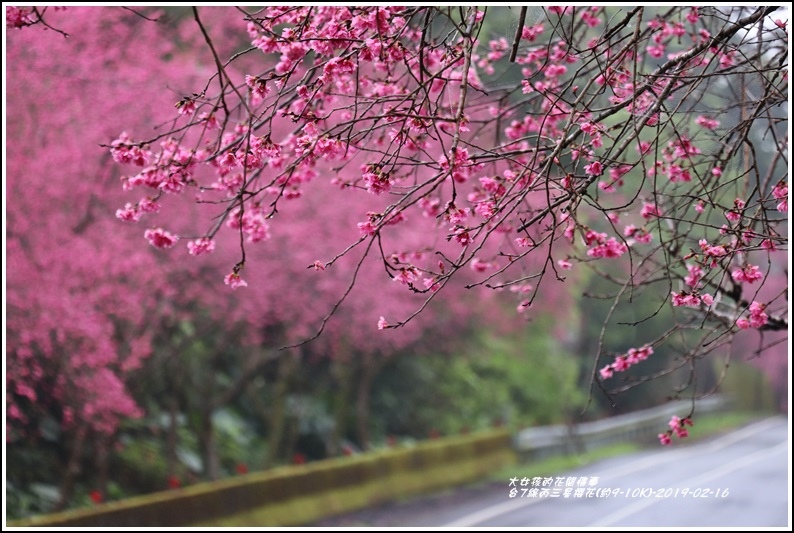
215,406
309,408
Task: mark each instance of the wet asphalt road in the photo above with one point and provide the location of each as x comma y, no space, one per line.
739,479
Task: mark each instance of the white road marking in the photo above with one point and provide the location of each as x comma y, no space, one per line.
495,510
482,515
700,480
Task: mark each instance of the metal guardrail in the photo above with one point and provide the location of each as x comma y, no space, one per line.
640,426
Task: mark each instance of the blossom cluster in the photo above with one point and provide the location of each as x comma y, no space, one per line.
601,246
625,361
756,318
19,17
677,427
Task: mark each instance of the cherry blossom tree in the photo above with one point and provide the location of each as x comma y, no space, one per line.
647,145
87,305
76,317
84,301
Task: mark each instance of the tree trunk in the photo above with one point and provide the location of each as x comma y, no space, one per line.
371,365
103,463
72,468
274,415
342,371
171,439
209,453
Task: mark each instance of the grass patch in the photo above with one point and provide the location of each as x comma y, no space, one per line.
707,425
715,423
562,463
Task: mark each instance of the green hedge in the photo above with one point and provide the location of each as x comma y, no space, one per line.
295,495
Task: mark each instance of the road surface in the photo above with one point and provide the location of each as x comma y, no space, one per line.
740,479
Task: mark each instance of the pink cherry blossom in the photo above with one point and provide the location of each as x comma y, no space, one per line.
377,182
694,275
432,284
726,59
710,250
210,120
747,274
258,87
560,10
186,106
685,299
407,276
130,213
625,361
656,51
649,211
606,372
639,235
769,245
594,169
147,205
707,123
758,317
478,265
159,238
635,355
125,151
678,426
367,228
780,192
19,17
621,364
234,281
610,248
462,236
553,71
201,246
530,33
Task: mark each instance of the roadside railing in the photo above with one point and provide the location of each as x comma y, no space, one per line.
641,426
